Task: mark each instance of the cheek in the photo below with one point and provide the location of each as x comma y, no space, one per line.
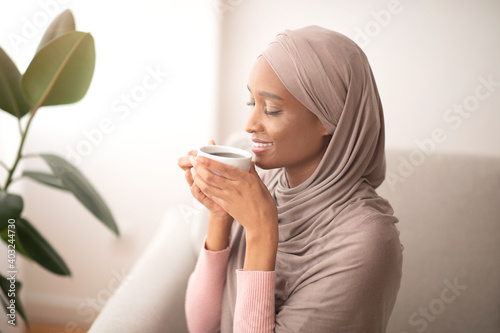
288,136
301,135
280,130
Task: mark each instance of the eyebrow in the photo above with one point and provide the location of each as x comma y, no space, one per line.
268,94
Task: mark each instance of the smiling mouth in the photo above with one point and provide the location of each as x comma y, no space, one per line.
262,144
260,147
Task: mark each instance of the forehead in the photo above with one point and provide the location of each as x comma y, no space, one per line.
263,78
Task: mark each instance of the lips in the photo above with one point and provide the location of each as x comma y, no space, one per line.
260,146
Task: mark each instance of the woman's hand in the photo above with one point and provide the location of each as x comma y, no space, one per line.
219,221
186,164
246,198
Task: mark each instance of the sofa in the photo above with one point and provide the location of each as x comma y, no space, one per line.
449,211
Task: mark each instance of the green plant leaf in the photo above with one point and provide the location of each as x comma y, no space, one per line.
76,182
4,234
38,249
62,24
11,96
5,286
45,178
60,73
11,206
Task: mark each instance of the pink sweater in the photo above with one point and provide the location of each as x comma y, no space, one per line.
254,310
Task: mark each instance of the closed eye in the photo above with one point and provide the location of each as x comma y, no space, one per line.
269,113
272,113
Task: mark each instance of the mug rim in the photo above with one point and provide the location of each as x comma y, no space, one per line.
226,149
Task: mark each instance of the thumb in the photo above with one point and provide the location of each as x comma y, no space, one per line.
211,142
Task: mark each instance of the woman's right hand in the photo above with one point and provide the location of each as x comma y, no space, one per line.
186,164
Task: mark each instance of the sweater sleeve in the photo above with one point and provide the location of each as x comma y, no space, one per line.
254,311
204,291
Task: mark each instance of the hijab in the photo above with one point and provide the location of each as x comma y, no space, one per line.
323,222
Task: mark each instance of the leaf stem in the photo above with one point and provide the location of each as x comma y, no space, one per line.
20,149
19,126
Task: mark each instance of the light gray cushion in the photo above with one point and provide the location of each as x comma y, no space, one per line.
449,211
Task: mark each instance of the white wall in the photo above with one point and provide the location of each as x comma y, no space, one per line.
427,56
134,165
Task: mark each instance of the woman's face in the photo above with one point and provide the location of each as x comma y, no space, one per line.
284,132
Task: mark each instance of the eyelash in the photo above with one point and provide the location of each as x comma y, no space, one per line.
273,113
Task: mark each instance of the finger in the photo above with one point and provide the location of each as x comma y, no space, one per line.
198,194
185,163
202,197
203,178
211,142
195,190
209,177
226,171
189,177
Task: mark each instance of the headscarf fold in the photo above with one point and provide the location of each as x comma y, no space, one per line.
328,222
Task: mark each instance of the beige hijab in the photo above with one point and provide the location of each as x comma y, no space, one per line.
338,265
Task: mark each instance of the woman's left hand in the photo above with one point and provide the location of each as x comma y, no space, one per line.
242,194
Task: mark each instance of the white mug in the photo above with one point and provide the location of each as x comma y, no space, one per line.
228,155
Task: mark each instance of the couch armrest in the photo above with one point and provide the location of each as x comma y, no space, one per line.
151,298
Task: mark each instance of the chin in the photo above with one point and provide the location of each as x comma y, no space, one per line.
265,165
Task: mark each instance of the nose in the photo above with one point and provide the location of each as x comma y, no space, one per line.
253,122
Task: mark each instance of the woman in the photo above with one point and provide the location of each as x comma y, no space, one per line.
307,246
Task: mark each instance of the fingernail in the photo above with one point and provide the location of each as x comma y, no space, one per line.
192,159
